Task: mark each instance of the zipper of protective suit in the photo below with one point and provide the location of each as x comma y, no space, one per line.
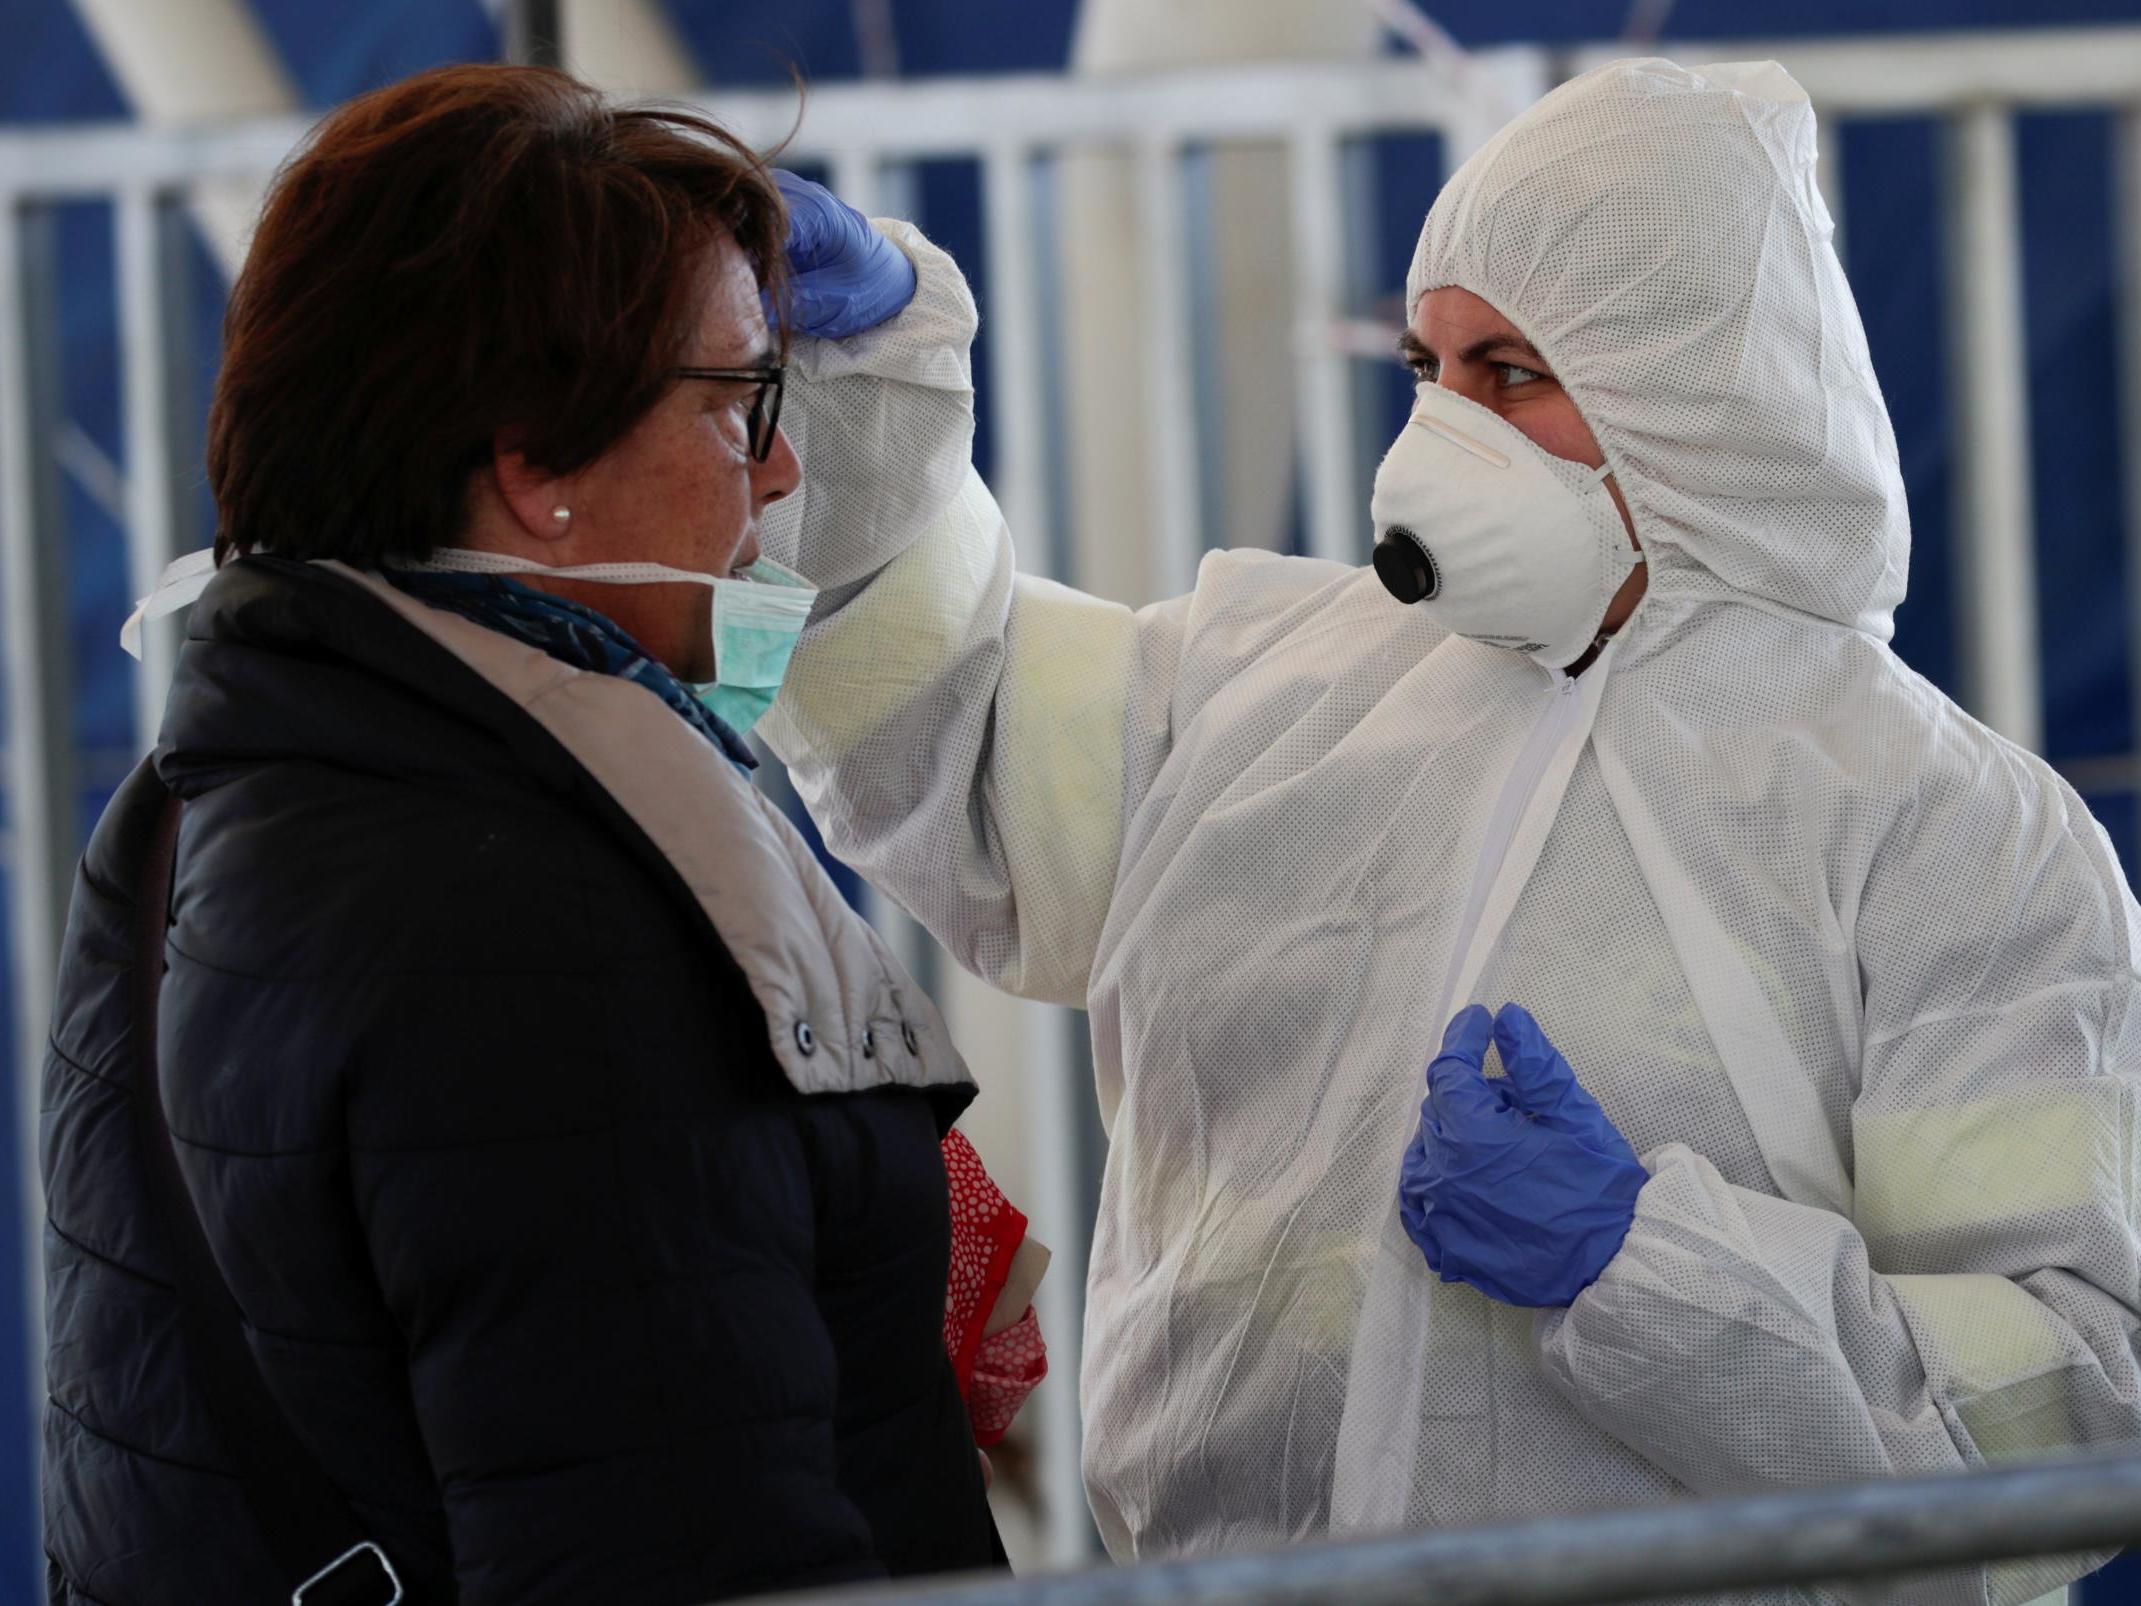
1549,734
1373,1494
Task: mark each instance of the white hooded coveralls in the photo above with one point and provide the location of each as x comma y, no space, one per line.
1855,976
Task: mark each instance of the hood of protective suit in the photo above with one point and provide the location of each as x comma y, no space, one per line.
1656,232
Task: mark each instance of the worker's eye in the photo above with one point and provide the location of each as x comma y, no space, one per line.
1513,374
1425,370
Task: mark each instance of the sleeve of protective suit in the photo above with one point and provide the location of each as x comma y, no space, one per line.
957,729
1981,1299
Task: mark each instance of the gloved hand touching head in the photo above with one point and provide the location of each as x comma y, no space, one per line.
1520,1186
844,277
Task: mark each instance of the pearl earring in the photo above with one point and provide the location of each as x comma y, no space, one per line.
561,516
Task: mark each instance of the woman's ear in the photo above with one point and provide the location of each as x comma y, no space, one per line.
539,502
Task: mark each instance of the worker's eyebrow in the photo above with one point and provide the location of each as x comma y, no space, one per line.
1414,350
1480,350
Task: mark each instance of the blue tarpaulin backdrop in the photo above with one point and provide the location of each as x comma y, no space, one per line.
50,72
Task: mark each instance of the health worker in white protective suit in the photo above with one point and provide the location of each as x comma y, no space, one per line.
1853,976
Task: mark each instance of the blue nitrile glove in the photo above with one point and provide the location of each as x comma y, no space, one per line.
1519,1186
844,277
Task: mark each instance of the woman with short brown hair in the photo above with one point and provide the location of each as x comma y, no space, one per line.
567,1147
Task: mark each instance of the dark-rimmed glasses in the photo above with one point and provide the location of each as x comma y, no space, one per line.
764,420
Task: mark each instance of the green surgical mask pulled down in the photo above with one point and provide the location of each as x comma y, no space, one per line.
757,622
758,615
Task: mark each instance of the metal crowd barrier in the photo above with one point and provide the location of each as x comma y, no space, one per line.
1884,1530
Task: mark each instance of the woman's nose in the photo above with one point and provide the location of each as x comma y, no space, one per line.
780,473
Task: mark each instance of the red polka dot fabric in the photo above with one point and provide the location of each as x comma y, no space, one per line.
997,1372
1006,1367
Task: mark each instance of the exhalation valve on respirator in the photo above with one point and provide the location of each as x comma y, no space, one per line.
1405,565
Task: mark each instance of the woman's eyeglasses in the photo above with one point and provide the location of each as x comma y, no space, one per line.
764,420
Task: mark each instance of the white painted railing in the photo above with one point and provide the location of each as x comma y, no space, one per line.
1014,128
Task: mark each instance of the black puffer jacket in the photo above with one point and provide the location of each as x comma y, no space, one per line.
567,1285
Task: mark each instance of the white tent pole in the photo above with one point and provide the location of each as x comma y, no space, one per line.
1993,524
1323,383
146,268
196,61
41,796
627,47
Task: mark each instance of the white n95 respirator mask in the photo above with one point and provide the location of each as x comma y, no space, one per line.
1499,541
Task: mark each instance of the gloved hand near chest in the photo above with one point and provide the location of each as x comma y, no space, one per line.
844,277
1520,1186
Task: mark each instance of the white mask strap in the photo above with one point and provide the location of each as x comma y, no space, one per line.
1599,476
467,560
181,582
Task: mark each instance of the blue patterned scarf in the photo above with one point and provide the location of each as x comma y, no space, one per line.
570,633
